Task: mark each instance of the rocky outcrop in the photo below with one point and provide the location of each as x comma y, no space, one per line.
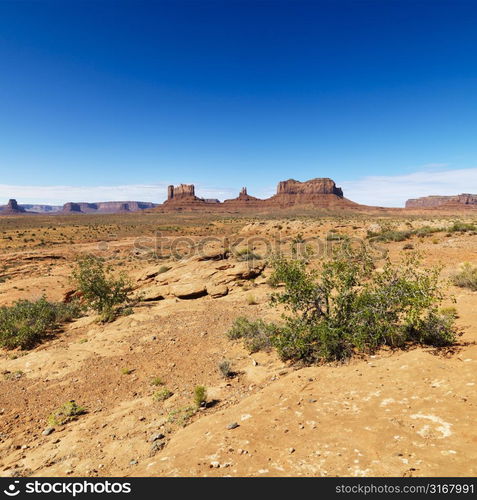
314,186
461,200
183,197
243,200
106,207
319,192
315,193
12,208
181,192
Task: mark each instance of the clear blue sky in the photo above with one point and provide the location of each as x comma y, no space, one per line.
230,93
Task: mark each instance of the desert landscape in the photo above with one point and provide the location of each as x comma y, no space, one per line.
161,389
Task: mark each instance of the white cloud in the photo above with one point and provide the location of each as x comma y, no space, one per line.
393,191
58,195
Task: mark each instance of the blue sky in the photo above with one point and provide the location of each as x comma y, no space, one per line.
114,100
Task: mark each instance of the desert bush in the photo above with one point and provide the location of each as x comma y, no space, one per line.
245,254
225,369
462,227
200,396
466,277
101,291
255,334
390,235
162,395
251,301
424,231
347,307
27,323
157,381
66,413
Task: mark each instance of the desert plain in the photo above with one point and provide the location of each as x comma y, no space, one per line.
407,412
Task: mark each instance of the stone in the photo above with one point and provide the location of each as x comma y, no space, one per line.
156,437
189,290
48,431
232,426
216,291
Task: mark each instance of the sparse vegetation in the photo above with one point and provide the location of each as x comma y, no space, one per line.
162,395
66,413
25,324
251,301
200,396
225,369
157,381
256,334
101,291
245,254
348,307
466,277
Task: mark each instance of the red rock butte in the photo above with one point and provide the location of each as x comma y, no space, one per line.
320,192
464,200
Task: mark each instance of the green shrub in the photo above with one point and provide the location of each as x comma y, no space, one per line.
256,334
66,413
347,306
200,396
99,289
466,277
27,323
462,227
390,235
157,381
162,395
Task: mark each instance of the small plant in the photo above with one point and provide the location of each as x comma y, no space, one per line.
156,381
225,369
251,301
200,396
181,416
391,235
462,227
162,395
245,254
466,277
66,413
99,289
25,324
256,334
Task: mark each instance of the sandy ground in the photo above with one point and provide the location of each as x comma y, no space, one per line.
403,413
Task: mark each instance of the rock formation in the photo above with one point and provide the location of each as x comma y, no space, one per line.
315,193
460,200
106,207
319,192
12,208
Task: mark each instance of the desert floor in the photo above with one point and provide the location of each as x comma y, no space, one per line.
397,413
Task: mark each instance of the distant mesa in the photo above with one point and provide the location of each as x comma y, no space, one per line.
12,208
464,200
105,207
